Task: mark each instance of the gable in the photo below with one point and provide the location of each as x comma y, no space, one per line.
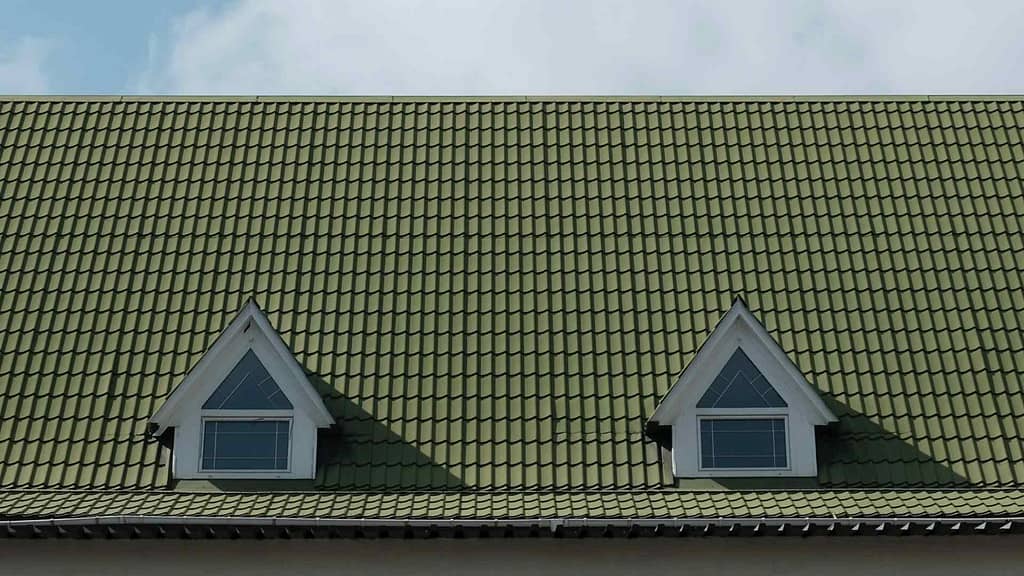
741,408
496,294
723,375
248,367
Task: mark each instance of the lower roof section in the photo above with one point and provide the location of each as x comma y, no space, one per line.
499,507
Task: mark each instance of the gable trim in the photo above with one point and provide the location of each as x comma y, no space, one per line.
673,403
251,317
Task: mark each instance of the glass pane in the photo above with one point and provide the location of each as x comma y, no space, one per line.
245,445
743,443
740,385
248,387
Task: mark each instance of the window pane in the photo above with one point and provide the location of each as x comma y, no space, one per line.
743,443
740,385
245,445
248,387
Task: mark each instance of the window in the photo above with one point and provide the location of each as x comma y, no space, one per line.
733,438
245,444
744,443
741,385
248,387
231,440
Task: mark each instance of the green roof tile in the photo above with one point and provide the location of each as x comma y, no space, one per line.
495,293
369,506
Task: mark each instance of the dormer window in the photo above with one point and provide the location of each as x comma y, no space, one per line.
241,445
247,421
248,387
731,437
742,408
246,410
743,444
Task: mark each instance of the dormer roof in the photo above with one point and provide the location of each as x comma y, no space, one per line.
234,344
740,331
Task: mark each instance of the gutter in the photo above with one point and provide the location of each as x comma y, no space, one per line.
212,527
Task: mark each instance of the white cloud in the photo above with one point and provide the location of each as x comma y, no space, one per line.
21,67
593,46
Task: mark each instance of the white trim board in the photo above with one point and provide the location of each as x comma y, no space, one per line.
250,330
805,408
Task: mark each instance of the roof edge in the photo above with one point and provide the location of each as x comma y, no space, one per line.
518,98
935,490
234,527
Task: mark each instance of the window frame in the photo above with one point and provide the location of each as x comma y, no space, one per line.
746,414
245,416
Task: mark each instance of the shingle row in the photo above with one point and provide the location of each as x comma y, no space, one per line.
513,506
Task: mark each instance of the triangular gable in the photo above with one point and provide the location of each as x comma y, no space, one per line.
740,332
740,385
249,386
250,333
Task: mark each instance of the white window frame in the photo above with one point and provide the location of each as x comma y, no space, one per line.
731,414
246,416
804,409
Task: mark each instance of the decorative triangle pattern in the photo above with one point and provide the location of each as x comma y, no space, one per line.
741,385
248,387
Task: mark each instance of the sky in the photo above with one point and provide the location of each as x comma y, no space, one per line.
534,47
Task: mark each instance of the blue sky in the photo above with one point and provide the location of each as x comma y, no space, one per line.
79,46
511,47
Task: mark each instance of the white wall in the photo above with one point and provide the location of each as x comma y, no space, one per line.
878,556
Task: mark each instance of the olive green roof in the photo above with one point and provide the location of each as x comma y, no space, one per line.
493,294
455,506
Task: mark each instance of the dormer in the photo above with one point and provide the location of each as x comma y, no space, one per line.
742,408
246,410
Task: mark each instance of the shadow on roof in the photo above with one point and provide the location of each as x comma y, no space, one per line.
361,453
855,452
859,452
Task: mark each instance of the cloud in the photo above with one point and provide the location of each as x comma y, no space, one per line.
592,47
21,67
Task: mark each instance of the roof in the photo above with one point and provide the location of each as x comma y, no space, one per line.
440,506
660,513
492,295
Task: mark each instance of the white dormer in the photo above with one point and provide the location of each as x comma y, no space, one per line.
741,407
246,409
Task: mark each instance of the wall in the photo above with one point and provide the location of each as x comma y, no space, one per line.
878,556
